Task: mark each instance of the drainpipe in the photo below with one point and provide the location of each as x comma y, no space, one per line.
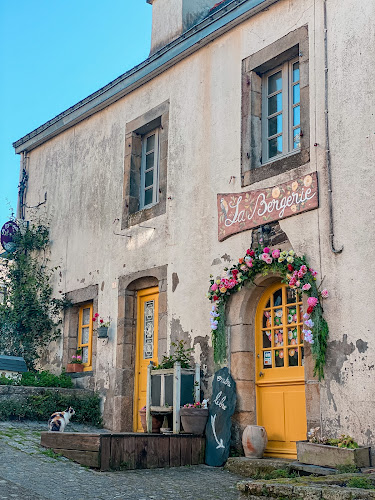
328,154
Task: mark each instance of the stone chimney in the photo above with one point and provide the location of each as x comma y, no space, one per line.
171,18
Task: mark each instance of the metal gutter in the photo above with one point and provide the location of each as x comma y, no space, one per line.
215,25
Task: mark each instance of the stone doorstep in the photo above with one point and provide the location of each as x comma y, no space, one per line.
247,467
260,489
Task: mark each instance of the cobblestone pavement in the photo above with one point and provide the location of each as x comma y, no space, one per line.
30,472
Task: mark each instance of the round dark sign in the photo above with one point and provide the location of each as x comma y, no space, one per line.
8,231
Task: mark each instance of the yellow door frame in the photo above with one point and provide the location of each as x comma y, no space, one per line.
142,296
276,379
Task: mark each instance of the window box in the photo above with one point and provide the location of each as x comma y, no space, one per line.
74,368
332,456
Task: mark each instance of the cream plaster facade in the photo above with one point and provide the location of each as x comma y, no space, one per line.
82,170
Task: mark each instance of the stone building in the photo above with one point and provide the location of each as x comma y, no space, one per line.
235,97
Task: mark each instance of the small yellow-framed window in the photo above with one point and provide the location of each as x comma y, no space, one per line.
85,335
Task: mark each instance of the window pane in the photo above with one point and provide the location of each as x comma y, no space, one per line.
274,83
85,335
149,178
296,138
267,338
279,358
296,116
148,196
278,317
267,319
295,72
275,146
85,354
279,338
296,97
150,144
293,357
277,298
86,316
275,103
275,125
149,161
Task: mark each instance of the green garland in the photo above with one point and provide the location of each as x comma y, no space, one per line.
294,271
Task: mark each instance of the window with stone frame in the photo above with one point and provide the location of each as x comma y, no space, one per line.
78,327
85,330
275,108
145,169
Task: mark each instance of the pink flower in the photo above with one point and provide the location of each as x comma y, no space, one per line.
298,283
314,273
74,356
300,274
214,287
324,293
249,261
306,287
79,358
248,251
303,269
96,315
234,273
312,301
101,321
94,319
266,250
276,253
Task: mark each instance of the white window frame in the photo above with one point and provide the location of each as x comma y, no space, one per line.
155,185
287,112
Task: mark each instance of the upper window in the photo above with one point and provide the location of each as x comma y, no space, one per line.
149,169
275,136
145,169
85,335
281,111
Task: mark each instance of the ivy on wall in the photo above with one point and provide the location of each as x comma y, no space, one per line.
30,316
296,272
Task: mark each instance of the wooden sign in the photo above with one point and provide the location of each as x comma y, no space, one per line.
218,429
242,211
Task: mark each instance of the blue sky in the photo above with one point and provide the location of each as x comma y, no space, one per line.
53,53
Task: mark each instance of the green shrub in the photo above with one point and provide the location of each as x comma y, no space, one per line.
360,482
40,379
347,469
41,406
46,379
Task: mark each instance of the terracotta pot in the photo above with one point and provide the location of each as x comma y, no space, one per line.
157,422
74,368
254,441
194,420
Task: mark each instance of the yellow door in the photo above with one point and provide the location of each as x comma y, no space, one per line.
146,346
280,378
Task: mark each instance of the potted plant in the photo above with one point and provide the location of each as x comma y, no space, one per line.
75,365
326,452
194,417
156,421
103,326
165,369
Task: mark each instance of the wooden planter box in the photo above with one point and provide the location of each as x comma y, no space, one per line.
74,368
126,450
331,456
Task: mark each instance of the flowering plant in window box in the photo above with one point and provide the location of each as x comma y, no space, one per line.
75,365
102,326
296,272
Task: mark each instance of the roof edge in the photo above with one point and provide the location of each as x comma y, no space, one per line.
213,26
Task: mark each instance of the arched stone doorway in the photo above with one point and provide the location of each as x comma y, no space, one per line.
241,329
129,286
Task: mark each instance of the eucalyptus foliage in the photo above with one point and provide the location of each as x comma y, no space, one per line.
30,316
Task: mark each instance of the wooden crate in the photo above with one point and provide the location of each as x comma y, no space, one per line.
127,450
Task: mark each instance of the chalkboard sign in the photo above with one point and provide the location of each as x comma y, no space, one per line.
218,429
